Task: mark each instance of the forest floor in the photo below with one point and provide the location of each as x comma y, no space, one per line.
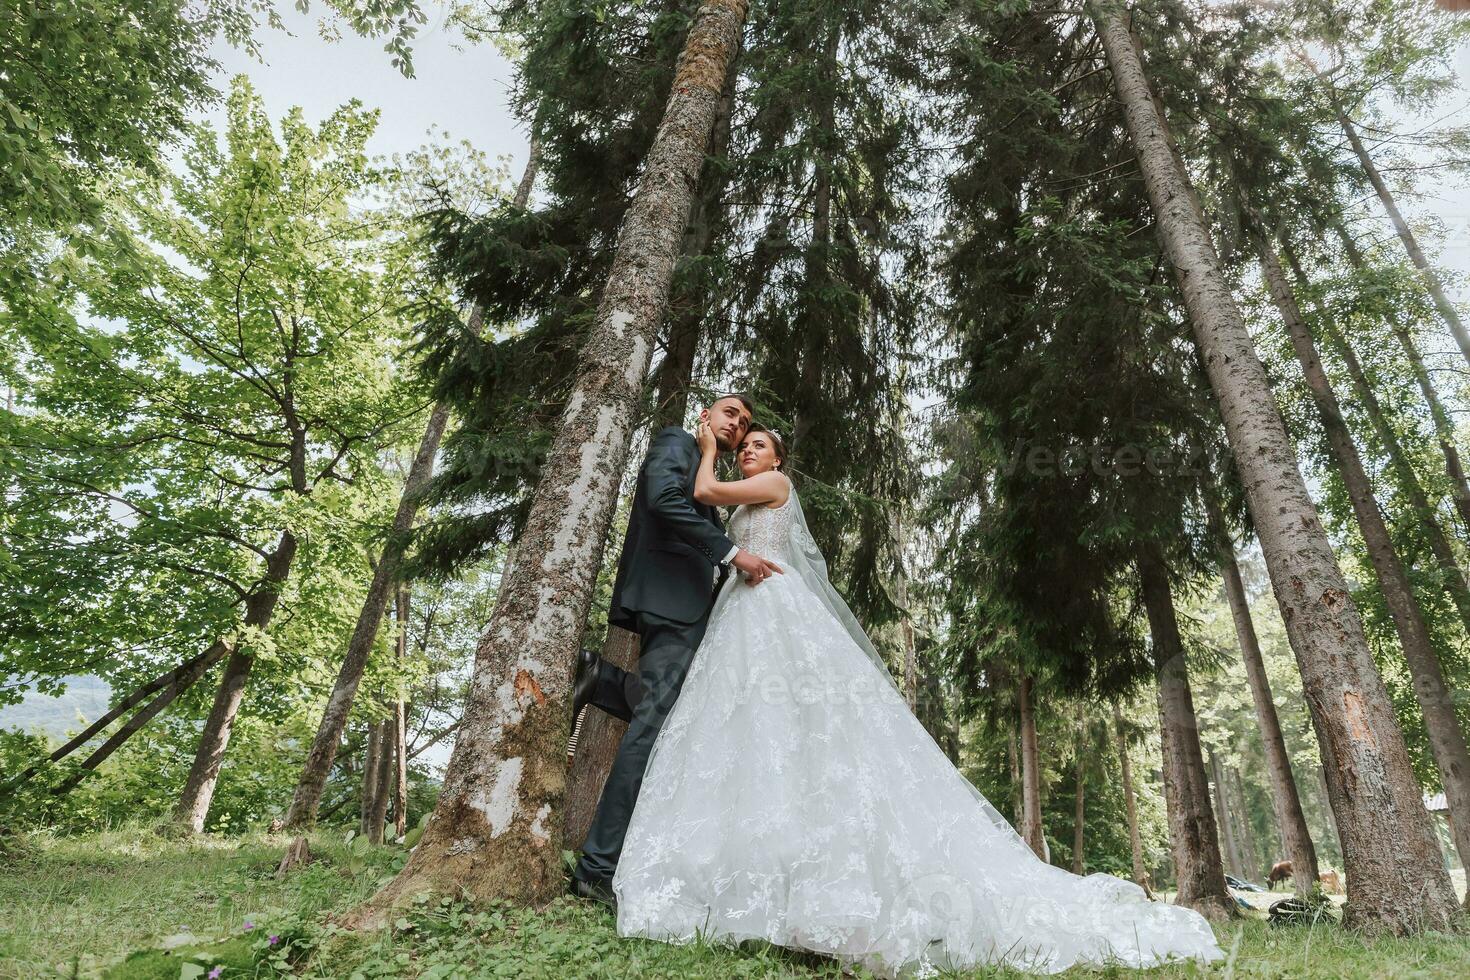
129,904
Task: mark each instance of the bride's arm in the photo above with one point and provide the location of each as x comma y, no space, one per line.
763,488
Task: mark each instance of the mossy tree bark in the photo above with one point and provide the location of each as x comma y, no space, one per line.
496,830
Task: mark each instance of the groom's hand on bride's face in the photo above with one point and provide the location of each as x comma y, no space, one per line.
756,568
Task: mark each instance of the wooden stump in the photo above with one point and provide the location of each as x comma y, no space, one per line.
297,854
597,745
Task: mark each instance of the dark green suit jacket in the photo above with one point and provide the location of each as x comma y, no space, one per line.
674,543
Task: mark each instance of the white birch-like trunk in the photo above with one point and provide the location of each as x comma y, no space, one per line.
496,831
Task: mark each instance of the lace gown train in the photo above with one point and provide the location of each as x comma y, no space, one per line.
793,797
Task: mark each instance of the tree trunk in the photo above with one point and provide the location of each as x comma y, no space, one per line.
1130,803
528,175
1031,830
906,622
1224,818
1078,863
169,686
190,669
1411,244
818,257
372,768
193,806
597,746
1331,814
1192,831
691,301
1444,428
1451,576
1245,831
400,725
1396,880
1446,738
1291,822
1018,795
308,796
377,817
496,830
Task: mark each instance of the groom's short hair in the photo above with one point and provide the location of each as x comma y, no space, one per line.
739,396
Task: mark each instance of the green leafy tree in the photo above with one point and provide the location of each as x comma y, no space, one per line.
204,416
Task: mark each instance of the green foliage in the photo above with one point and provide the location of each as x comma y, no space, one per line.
90,87
233,373
1076,427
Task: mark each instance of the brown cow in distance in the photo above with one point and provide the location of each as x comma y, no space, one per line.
1281,871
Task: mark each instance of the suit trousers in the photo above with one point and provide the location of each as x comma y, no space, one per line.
643,699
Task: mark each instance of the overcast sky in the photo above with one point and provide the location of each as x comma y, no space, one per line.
465,92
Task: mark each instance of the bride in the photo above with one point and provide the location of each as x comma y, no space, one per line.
793,797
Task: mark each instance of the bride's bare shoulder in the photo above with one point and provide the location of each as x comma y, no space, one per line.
785,487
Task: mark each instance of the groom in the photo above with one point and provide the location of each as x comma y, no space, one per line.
674,558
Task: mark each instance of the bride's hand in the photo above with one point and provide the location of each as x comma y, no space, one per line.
706,438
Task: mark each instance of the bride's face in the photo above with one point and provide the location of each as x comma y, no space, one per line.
756,454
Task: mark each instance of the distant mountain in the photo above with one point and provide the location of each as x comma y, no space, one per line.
85,699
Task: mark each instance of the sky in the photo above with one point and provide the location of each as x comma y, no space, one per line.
460,91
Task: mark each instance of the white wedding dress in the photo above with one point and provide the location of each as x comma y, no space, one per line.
793,797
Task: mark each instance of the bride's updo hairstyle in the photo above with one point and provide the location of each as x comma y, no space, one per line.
777,443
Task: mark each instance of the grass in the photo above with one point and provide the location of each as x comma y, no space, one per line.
127,905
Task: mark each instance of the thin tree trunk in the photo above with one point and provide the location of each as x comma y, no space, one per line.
1223,818
372,766
952,746
818,259
1411,244
1291,822
377,815
1446,738
172,684
1192,830
1245,831
496,830
400,725
906,621
1396,880
691,302
528,175
1079,864
218,651
1013,755
597,746
313,779
193,806
1130,803
1444,428
1031,830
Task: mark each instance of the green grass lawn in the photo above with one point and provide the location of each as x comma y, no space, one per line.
128,904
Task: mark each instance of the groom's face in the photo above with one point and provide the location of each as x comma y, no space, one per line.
728,419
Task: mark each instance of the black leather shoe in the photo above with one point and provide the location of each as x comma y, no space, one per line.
584,681
599,891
